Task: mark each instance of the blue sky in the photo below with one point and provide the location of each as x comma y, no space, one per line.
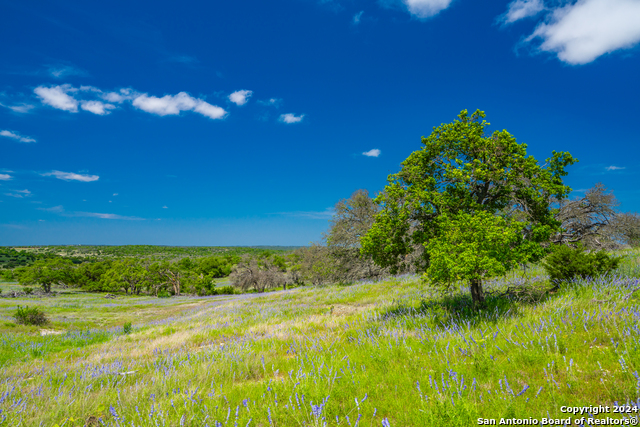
243,123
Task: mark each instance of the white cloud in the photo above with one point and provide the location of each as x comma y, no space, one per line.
520,9
326,214
581,32
119,97
60,210
70,176
56,209
174,104
273,102
60,71
372,153
5,177
16,136
115,194
97,107
106,216
164,207
426,8
240,97
614,168
19,108
57,97
208,110
357,17
291,118
19,194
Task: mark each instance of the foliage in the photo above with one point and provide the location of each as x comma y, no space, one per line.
7,275
462,171
255,274
126,328
225,290
475,247
163,294
27,290
46,272
30,316
566,263
88,276
127,274
352,220
317,265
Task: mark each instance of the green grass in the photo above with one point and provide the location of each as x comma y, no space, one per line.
394,350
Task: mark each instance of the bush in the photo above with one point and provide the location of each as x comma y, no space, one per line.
28,290
164,294
30,316
127,328
565,263
226,290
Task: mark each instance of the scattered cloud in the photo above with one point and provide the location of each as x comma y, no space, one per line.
18,103
273,102
115,194
55,209
118,97
58,97
70,176
423,9
16,136
372,153
580,32
614,168
291,118
66,97
174,104
19,108
19,194
5,177
97,107
61,211
105,216
61,71
357,17
326,214
520,9
240,97
164,207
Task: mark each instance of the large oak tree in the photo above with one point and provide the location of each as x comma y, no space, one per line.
475,201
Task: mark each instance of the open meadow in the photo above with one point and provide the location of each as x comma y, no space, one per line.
391,352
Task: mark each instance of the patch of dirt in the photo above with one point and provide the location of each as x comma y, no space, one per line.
44,332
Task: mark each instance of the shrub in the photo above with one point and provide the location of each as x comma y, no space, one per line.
28,290
566,263
127,328
164,294
30,316
226,290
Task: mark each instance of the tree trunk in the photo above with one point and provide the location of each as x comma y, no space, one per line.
476,291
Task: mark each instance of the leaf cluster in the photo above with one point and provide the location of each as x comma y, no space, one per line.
565,263
30,316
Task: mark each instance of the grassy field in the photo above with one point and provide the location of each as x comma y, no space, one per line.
388,353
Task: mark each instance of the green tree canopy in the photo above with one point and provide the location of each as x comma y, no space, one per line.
46,272
465,197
